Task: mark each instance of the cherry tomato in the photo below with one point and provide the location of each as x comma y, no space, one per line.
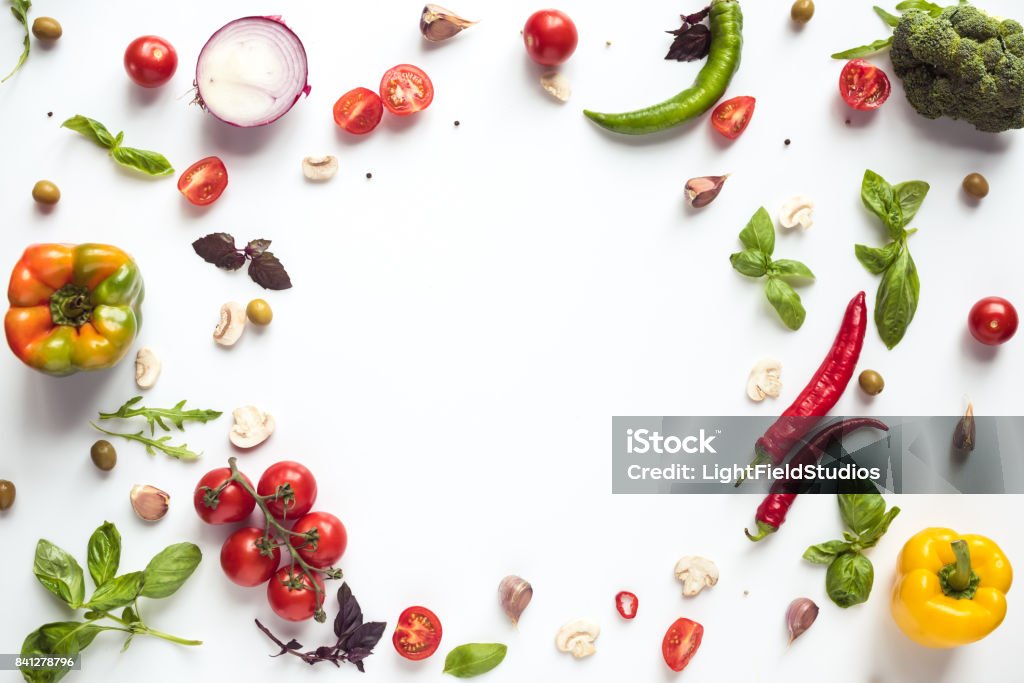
731,117
330,544
863,85
993,320
681,642
292,596
248,559
550,37
627,604
232,504
150,61
358,111
204,181
417,634
294,484
405,90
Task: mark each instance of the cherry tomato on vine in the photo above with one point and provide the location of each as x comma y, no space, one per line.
417,634
550,37
681,642
731,117
627,604
331,543
406,89
292,596
295,486
150,61
232,504
863,85
358,111
249,559
204,181
993,320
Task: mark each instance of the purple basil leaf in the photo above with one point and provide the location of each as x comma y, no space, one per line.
692,44
268,273
697,17
256,247
681,30
350,616
365,637
294,645
323,652
359,665
219,249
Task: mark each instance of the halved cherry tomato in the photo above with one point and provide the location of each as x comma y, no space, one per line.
405,90
863,85
417,634
993,320
626,603
731,117
358,111
681,642
204,181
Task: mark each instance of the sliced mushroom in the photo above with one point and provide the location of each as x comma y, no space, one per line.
231,325
149,502
147,367
251,427
797,211
764,380
696,573
577,638
556,85
319,168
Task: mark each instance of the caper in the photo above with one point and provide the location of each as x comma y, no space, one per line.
103,455
258,312
976,185
7,492
47,28
46,192
802,11
871,382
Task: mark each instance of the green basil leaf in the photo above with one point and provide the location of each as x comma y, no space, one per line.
871,537
130,615
824,553
786,302
90,128
171,567
890,19
20,8
150,163
118,592
104,553
910,195
759,233
876,260
864,50
750,262
896,301
59,638
789,268
59,573
849,579
880,199
474,659
861,511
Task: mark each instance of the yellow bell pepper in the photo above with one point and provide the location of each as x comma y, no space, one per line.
950,589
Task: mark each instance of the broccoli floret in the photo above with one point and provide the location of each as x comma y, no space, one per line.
963,64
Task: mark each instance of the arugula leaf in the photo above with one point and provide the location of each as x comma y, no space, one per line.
786,302
20,8
789,268
910,195
824,553
864,50
890,19
104,553
876,260
896,301
759,233
169,569
922,5
750,262
181,452
59,573
177,415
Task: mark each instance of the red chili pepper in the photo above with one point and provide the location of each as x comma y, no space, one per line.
627,604
771,514
821,393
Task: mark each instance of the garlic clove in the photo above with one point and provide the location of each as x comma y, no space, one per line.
149,502
800,614
438,23
515,594
703,190
557,85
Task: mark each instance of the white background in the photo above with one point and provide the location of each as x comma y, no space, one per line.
464,325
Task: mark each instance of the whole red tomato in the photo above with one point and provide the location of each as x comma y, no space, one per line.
294,485
993,320
150,61
292,596
248,558
550,37
230,504
332,539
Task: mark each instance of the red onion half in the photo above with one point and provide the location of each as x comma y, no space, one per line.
251,72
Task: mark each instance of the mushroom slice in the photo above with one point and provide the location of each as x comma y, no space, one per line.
147,367
696,573
251,427
797,210
577,638
764,380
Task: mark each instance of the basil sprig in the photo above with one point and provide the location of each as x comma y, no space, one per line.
59,572
850,574
900,288
150,163
758,238
473,659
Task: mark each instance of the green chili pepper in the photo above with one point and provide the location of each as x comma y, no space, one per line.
726,22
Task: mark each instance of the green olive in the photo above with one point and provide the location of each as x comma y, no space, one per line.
802,11
7,492
871,382
47,28
45,192
103,455
259,313
976,185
